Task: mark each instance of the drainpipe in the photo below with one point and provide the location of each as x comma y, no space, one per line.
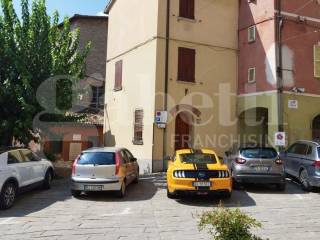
166,81
279,26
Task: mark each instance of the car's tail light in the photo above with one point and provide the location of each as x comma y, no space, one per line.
279,161
74,165
241,161
316,164
224,174
179,174
118,161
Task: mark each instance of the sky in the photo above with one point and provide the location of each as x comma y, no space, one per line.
71,7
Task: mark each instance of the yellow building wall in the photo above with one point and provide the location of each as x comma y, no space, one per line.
298,122
137,36
131,23
260,100
215,42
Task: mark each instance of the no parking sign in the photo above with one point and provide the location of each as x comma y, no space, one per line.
280,139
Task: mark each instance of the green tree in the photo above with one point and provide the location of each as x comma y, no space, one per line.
33,48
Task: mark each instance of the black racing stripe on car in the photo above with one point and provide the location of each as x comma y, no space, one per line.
198,151
202,166
195,168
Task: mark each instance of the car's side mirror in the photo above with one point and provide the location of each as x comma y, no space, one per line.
221,160
134,159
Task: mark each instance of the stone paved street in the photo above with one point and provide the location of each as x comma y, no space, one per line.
146,213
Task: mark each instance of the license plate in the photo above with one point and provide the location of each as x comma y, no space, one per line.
202,184
262,169
93,188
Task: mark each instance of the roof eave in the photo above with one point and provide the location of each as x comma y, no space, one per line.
109,6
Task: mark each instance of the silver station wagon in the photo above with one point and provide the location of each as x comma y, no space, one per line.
302,161
256,165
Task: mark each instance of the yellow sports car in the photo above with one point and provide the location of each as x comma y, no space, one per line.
199,172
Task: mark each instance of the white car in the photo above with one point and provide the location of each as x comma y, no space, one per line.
104,169
21,170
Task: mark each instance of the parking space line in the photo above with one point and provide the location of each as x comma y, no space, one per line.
126,211
299,196
8,221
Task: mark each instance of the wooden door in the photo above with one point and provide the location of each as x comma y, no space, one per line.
182,132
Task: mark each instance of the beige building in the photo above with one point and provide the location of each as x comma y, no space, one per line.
187,49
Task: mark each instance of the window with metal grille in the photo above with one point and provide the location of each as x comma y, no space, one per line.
186,64
251,75
138,127
118,76
316,56
252,34
186,9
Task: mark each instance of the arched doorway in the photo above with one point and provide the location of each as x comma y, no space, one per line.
253,126
183,130
316,128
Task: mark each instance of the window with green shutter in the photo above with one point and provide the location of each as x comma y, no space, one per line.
316,56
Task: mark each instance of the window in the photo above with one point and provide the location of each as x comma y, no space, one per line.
138,127
30,156
129,155
309,152
198,158
97,158
124,157
251,75
316,56
118,76
186,9
14,157
97,97
252,34
264,153
186,65
299,148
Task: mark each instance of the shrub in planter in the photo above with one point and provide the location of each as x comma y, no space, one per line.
229,224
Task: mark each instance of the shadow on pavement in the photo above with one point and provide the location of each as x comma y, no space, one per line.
144,190
238,199
293,187
37,200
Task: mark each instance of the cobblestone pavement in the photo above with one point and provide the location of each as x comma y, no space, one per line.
146,213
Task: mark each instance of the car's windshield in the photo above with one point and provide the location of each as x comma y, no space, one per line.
104,158
264,153
198,158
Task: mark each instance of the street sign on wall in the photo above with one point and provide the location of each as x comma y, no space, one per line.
280,139
293,104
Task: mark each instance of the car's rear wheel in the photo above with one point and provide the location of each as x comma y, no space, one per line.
281,186
227,195
123,190
136,180
48,180
171,195
75,193
8,195
304,179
